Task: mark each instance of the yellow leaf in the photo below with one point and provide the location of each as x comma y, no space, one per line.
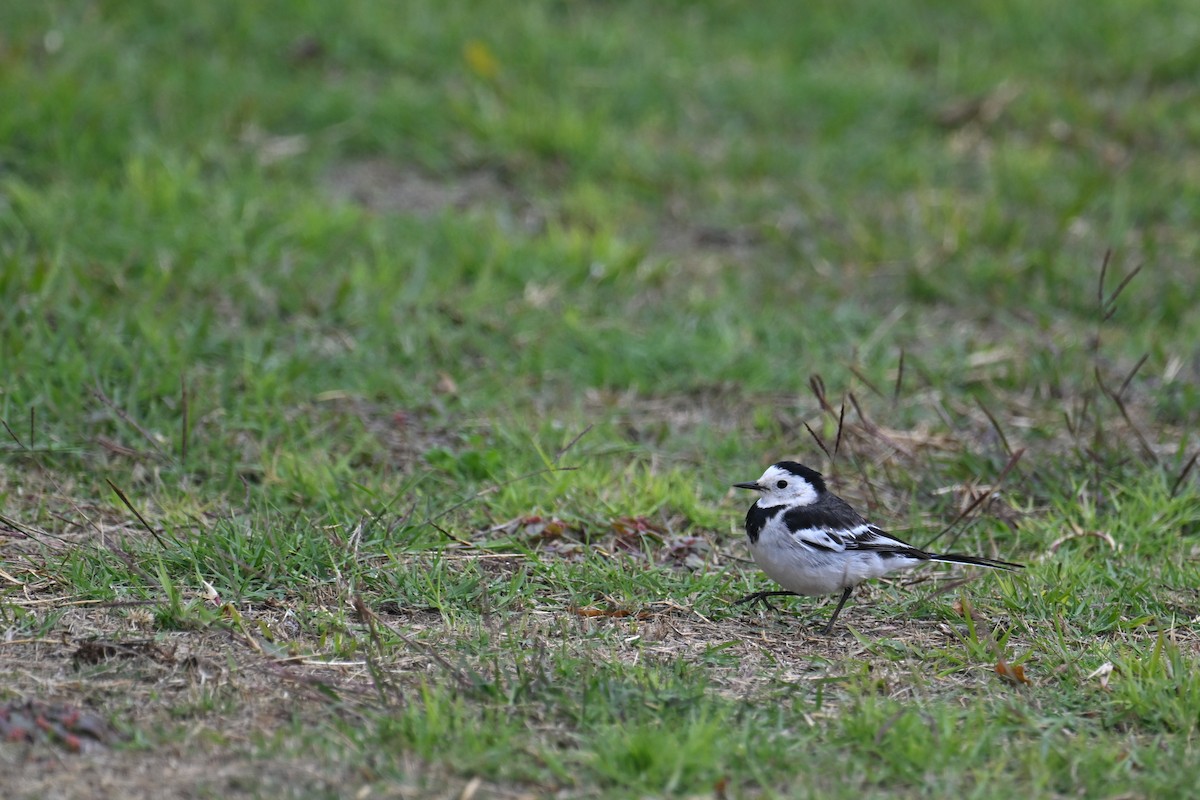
480,60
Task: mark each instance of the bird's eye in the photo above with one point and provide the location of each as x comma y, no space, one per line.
781,485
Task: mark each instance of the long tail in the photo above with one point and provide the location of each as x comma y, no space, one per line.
978,562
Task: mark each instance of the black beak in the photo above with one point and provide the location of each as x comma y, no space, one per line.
752,485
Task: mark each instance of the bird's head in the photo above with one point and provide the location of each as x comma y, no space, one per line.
787,484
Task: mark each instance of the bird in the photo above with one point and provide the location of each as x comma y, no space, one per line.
812,542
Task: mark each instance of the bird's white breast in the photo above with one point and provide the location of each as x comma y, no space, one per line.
802,568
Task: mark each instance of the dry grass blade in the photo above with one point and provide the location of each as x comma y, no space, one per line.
14,436
451,536
1132,373
1110,306
136,513
1120,404
1012,463
818,388
371,618
858,373
1079,533
1184,473
951,585
1103,274
563,450
867,424
874,430
131,563
899,377
1076,423
837,444
127,419
820,443
995,425
36,534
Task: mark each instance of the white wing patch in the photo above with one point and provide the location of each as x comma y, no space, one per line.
869,537
833,541
860,537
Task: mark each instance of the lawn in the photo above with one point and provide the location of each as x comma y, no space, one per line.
374,377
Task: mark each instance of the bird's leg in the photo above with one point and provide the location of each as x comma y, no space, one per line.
761,597
845,596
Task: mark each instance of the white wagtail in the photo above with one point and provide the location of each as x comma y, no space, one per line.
810,541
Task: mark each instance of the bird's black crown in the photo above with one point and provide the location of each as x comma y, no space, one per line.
807,473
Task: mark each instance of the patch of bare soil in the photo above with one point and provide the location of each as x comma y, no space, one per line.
102,709
401,435
383,186
197,769
184,770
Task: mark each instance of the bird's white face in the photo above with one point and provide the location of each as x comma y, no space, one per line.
779,487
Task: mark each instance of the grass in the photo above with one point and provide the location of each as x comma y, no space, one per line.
374,379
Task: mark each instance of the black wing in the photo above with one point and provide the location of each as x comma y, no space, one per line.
831,524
